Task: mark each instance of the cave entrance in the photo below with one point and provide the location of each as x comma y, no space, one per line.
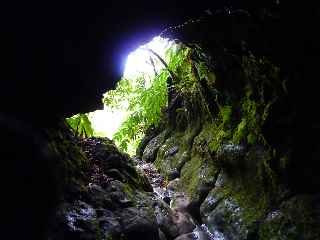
137,101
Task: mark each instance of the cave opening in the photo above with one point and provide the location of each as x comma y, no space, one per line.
235,150
136,102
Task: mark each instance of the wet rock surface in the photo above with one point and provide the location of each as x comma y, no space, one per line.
150,151
238,176
170,210
116,202
122,198
213,176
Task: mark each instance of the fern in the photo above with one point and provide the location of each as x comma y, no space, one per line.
145,103
81,125
145,106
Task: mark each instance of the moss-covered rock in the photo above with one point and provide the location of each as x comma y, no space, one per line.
227,219
71,166
231,115
295,219
150,151
116,164
241,182
232,210
197,177
171,157
115,201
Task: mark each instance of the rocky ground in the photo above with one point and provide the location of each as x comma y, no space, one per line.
124,198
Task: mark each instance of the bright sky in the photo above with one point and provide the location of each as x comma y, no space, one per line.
138,61
106,122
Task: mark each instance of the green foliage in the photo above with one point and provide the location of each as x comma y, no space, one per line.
124,89
180,64
263,77
254,106
254,113
145,103
81,125
251,138
221,127
145,107
240,131
242,121
226,112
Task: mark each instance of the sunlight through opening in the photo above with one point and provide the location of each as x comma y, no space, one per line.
140,62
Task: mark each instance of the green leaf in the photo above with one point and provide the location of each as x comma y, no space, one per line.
81,125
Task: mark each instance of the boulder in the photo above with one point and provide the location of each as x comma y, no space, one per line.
151,150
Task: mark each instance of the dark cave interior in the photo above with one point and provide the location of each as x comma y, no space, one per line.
60,58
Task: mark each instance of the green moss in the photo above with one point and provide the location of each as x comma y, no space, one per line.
253,116
253,186
190,176
70,163
251,138
242,118
201,169
214,135
293,221
166,161
226,112
240,132
129,190
237,117
250,198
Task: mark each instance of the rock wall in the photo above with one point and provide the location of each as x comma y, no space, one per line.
104,195
70,188
229,140
244,181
